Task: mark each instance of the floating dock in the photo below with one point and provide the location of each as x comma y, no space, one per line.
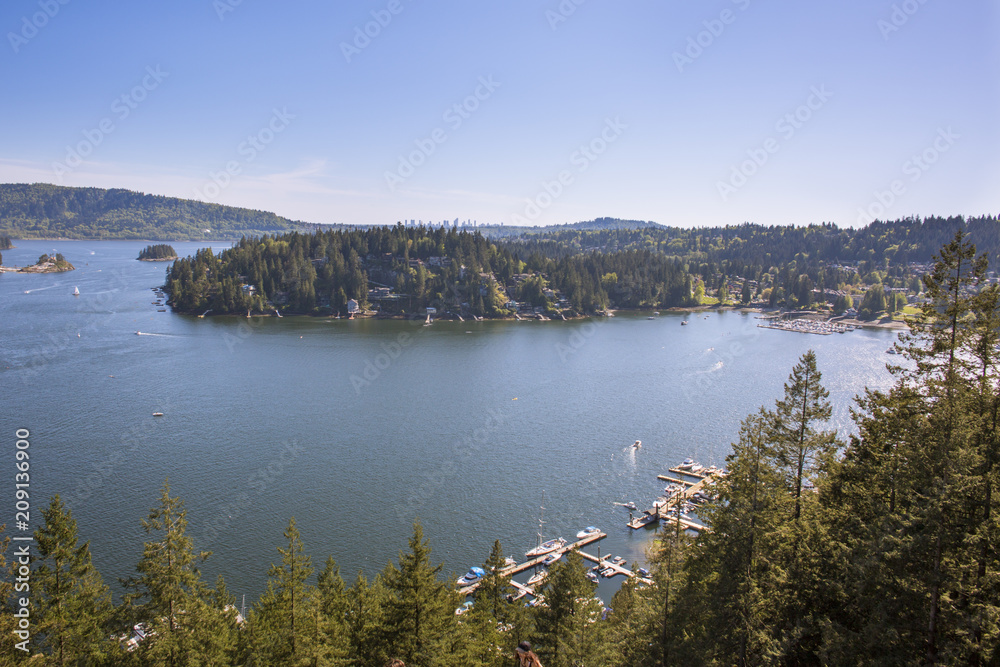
535,562
659,512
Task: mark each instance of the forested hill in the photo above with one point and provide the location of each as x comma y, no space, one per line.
898,241
41,210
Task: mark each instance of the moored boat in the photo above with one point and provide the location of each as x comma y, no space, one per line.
587,532
546,547
472,576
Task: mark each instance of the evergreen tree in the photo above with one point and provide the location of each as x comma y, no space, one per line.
800,448
283,623
568,632
177,618
73,605
420,610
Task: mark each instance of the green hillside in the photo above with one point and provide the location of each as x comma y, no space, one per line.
39,210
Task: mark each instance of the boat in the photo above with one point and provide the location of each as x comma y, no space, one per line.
587,532
646,520
538,578
509,562
684,323
643,572
551,558
546,547
472,576
891,350
592,576
466,606
656,312
686,465
76,291
637,444
631,505
157,414
618,560
650,318
609,572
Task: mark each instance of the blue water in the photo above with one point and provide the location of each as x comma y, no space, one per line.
462,425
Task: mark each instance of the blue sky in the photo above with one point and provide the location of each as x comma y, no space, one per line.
686,113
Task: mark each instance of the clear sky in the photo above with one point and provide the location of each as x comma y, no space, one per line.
682,112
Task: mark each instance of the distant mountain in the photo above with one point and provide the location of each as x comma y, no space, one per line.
40,210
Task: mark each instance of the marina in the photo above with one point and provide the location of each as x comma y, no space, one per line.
820,327
668,509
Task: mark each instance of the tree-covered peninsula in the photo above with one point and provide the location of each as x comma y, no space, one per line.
161,252
45,264
5,243
402,270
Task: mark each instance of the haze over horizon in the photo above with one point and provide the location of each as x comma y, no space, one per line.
704,114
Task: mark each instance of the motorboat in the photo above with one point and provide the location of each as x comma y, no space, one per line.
546,547
551,558
157,414
631,505
464,608
592,576
643,572
587,532
686,464
472,576
618,560
684,323
608,572
509,562
637,444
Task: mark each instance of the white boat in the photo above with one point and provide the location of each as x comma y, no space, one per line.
509,562
587,532
608,572
551,558
76,291
631,505
592,576
546,547
684,322
686,465
472,576
637,444
538,578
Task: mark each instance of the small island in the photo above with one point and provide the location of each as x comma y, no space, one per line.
45,264
161,252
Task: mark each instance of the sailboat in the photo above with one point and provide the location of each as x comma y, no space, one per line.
544,547
76,291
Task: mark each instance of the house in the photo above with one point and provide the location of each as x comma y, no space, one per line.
352,306
248,289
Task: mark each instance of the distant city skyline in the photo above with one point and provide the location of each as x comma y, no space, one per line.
703,114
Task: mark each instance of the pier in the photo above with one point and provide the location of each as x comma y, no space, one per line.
659,511
535,562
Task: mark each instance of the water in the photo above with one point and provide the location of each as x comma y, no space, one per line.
462,425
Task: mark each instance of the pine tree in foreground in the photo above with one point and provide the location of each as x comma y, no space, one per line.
73,605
